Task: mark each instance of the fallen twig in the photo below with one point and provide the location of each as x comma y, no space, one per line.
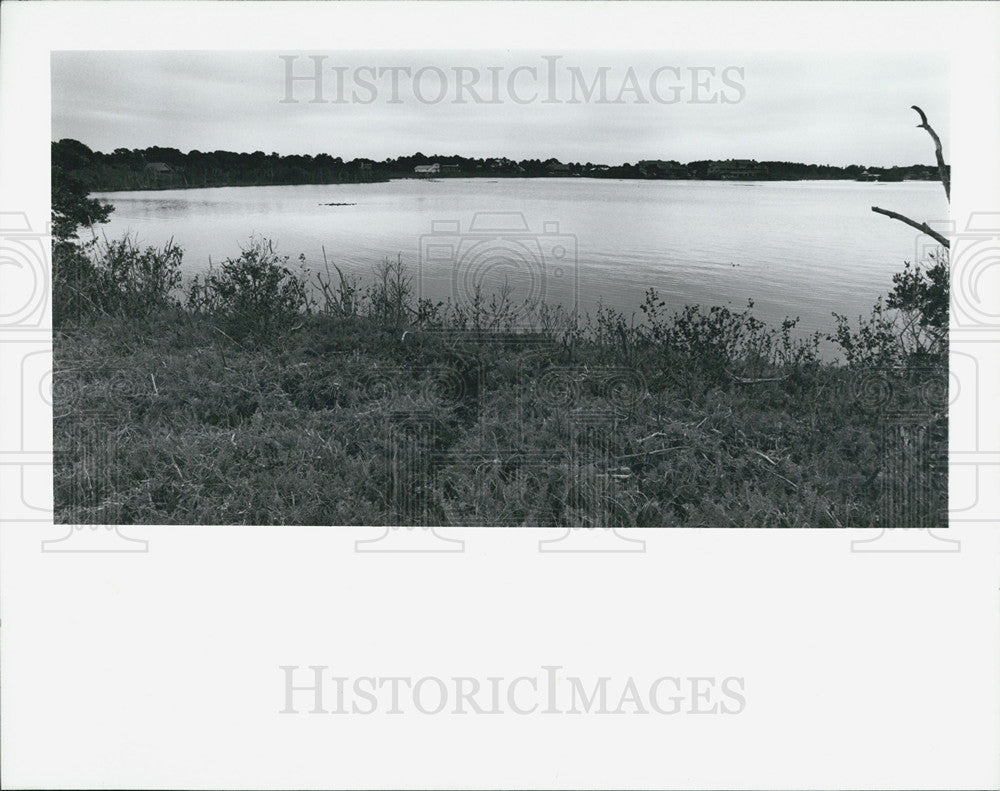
228,337
650,452
765,457
832,517
742,381
795,486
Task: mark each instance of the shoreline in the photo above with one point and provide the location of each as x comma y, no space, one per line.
744,182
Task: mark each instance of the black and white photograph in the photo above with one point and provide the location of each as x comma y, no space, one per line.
499,394
500,288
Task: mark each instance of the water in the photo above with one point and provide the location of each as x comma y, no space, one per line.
796,248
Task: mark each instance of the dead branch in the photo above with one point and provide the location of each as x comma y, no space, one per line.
920,226
942,168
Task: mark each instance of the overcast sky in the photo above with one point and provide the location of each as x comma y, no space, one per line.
653,105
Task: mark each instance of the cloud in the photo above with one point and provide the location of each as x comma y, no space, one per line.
794,106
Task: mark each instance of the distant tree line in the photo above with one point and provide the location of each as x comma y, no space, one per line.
169,168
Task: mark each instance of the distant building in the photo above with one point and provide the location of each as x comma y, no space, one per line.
449,168
555,166
737,169
869,175
659,167
158,168
501,163
427,170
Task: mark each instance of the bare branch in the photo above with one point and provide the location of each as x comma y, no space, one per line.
942,167
920,226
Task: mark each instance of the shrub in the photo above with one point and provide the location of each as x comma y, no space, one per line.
343,299
916,329
921,297
114,278
254,294
876,342
389,297
75,291
721,336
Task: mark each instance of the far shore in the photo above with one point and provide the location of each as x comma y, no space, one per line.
494,177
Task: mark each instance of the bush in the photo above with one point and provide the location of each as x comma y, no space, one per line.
389,298
921,298
876,342
721,336
113,278
915,330
254,294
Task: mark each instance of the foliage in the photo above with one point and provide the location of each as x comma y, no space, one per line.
343,299
125,169
720,335
921,297
71,205
77,282
910,326
305,432
114,277
708,417
875,343
389,297
255,294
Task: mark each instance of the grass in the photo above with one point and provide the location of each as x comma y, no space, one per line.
343,416
338,424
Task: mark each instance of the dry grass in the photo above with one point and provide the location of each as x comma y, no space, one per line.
167,419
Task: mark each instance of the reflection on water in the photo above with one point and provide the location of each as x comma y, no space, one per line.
796,248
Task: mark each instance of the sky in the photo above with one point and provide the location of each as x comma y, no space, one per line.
600,107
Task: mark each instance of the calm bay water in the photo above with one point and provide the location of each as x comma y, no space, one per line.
796,248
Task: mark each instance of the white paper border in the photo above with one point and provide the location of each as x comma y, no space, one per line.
159,668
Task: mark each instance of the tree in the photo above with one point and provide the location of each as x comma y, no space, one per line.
945,180
71,205
921,295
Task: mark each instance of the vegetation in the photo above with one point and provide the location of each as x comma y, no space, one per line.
258,393
134,169
245,397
